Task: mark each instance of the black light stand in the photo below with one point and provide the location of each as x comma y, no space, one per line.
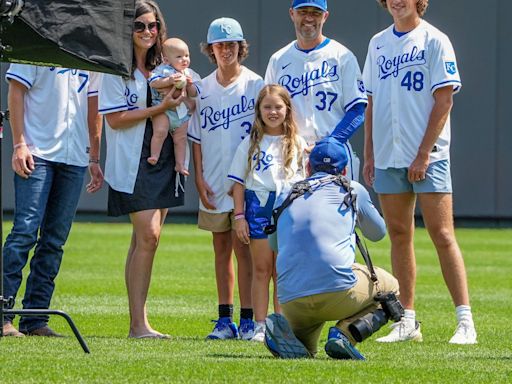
8,302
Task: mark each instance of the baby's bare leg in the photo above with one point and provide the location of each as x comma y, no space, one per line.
179,137
160,132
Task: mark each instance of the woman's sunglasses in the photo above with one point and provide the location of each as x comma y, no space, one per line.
139,26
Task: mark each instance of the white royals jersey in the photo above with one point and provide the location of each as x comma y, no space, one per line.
124,146
56,107
222,119
323,83
401,75
267,173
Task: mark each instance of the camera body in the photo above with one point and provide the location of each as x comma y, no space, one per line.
391,309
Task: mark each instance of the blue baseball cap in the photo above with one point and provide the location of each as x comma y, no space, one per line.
328,155
224,29
321,4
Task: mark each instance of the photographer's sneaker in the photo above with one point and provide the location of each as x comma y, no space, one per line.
280,340
464,334
339,347
246,329
403,331
259,333
224,329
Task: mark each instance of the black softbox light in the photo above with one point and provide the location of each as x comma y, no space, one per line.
93,35
86,34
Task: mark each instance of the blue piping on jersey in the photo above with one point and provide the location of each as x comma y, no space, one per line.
120,108
234,178
399,34
359,100
319,46
14,76
454,82
194,138
92,93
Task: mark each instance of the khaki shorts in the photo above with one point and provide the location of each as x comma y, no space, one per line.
216,222
307,315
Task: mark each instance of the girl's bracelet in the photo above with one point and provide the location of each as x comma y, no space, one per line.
19,145
239,216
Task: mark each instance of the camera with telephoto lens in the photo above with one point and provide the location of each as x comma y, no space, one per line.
369,324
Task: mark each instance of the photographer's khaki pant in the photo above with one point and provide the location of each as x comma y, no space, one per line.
307,315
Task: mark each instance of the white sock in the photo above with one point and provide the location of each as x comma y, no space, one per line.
260,324
463,312
410,317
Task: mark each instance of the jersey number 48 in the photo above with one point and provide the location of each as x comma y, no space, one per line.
413,80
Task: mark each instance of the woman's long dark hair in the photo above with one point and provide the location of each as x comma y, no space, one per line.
154,55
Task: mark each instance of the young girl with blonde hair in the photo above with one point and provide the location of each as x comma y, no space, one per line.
266,162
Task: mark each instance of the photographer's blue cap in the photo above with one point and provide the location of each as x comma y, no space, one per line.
328,155
224,29
321,4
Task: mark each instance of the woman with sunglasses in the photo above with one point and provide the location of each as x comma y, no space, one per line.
142,191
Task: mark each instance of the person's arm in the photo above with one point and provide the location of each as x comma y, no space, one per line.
241,226
124,119
191,87
205,192
369,160
443,102
22,160
352,120
164,82
95,125
369,220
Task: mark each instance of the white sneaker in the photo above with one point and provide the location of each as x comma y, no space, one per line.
259,333
402,331
464,334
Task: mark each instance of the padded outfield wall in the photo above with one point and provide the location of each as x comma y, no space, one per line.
481,129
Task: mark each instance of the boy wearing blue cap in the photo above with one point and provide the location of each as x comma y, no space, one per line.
223,117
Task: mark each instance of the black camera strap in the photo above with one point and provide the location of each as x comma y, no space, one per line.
366,256
302,187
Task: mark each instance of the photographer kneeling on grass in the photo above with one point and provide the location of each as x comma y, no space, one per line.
318,279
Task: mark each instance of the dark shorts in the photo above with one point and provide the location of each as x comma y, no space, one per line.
155,184
257,216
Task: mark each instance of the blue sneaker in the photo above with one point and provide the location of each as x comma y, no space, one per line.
280,340
339,347
246,329
224,329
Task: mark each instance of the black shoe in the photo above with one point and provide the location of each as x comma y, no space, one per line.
45,331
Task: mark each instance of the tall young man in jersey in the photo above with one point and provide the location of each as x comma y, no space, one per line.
323,78
411,75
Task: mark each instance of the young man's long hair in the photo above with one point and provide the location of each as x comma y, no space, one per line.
243,51
290,144
421,6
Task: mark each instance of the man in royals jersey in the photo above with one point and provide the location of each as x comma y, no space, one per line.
411,75
323,78
56,132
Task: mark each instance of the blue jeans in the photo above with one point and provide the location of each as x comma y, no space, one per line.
45,203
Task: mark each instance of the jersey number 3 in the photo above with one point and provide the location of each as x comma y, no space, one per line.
413,81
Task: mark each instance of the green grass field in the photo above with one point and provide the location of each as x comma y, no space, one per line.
182,302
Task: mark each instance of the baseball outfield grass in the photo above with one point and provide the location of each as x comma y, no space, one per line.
182,302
